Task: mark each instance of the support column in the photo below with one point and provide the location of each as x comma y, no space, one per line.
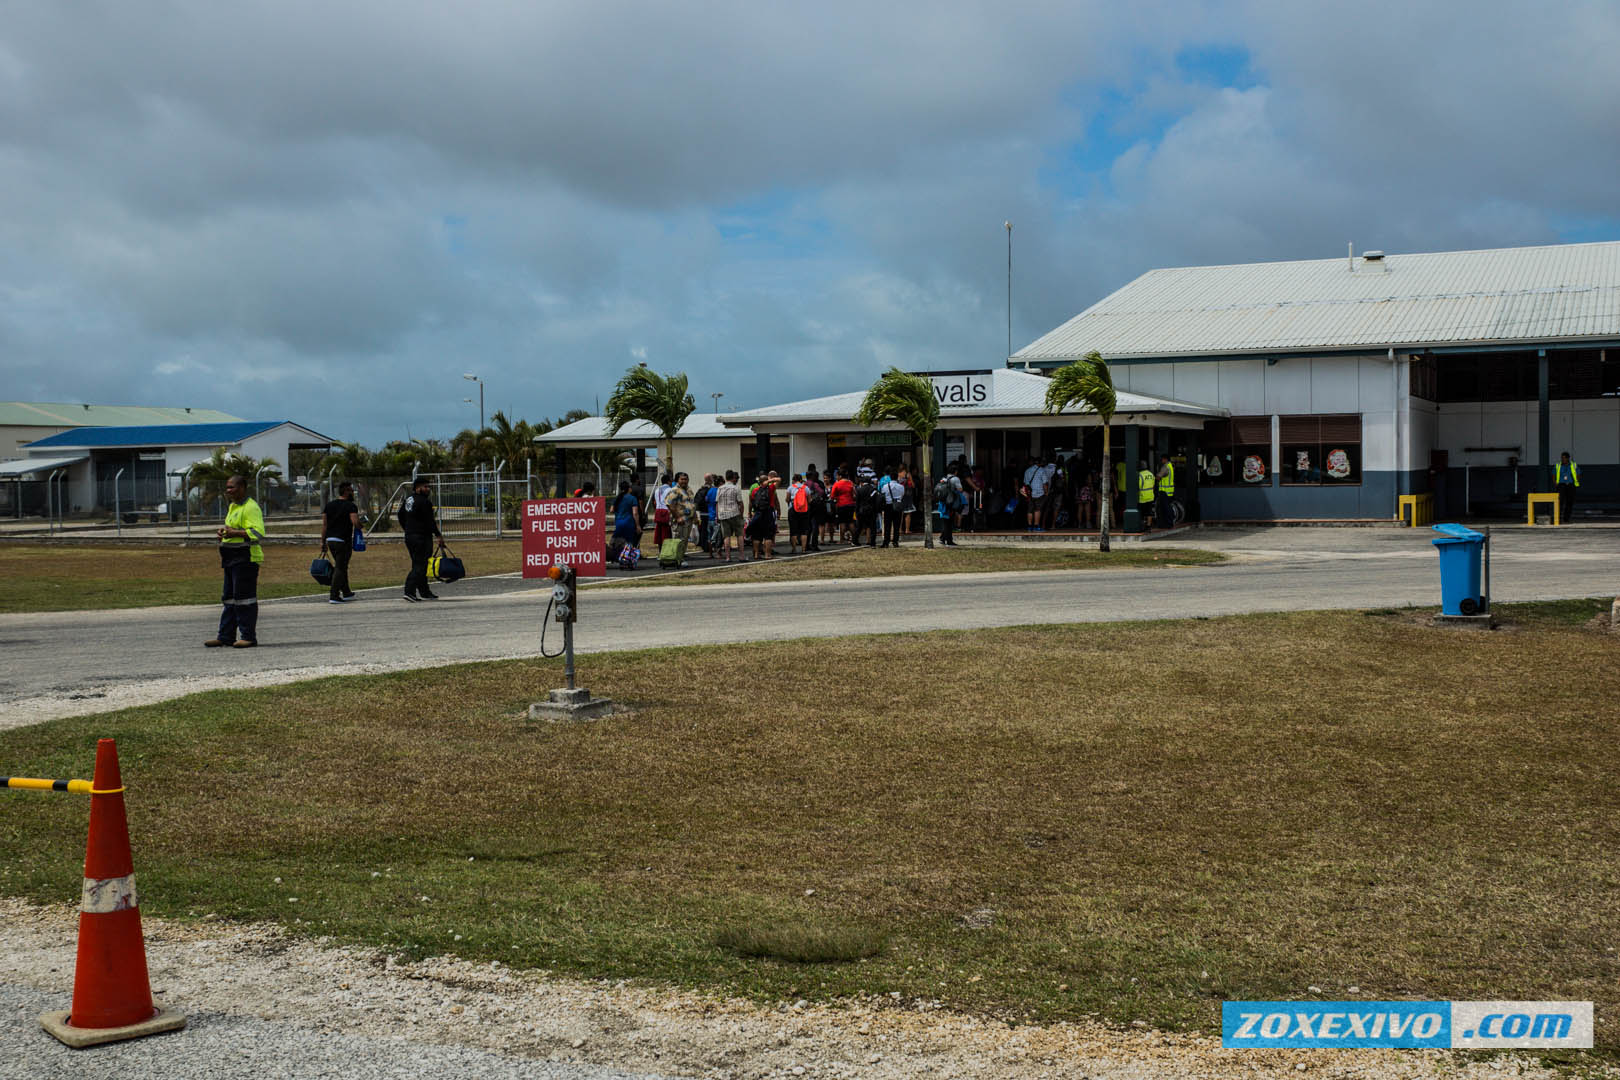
1544,440
762,455
936,459
562,474
635,481
1188,476
1133,454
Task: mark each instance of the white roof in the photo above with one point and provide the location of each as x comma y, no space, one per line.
1013,393
1564,292
593,429
24,466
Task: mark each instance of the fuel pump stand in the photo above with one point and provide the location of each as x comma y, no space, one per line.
561,539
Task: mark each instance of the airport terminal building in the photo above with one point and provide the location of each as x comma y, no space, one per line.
1311,390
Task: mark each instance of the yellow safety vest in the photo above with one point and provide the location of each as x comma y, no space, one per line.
1144,487
1572,470
246,515
1167,482
1119,477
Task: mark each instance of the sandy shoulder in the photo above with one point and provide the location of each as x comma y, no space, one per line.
262,971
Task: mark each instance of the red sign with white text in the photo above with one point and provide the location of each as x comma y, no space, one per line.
564,532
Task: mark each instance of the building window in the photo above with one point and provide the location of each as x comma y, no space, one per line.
1320,449
1236,452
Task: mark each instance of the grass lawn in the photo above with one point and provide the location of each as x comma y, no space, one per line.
913,558
72,577
1133,820
83,577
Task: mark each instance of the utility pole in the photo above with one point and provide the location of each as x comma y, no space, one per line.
1008,224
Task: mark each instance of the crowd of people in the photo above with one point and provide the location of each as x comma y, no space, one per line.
864,503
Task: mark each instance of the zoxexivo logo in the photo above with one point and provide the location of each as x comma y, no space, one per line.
1407,1024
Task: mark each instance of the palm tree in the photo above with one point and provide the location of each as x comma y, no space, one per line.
210,474
908,400
660,400
1088,386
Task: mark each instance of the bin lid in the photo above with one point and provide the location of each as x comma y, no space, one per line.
1457,532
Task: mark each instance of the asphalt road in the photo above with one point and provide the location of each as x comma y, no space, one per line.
60,664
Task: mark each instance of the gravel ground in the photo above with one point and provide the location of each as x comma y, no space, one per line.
263,1003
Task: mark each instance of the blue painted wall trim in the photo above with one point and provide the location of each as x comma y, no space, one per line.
1372,499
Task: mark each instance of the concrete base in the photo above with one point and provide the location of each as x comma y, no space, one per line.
570,705
77,1037
1467,622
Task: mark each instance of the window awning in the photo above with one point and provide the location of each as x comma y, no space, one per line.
11,470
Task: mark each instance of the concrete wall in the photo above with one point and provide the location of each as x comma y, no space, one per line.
1364,384
1484,481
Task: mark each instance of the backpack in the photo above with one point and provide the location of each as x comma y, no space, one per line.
762,499
801,499
943,493
866,498
818,495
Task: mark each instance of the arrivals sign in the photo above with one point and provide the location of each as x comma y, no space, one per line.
963,391
564,532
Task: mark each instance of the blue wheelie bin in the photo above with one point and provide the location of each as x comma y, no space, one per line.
1459,569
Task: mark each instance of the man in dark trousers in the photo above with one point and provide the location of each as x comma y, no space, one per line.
240,555
1567,475
421,528
339,519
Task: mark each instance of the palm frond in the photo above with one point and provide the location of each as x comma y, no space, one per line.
1083,386
644,394
902,398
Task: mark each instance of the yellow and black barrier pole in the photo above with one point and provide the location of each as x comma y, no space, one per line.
29,783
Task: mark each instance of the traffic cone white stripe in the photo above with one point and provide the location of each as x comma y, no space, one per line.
104,895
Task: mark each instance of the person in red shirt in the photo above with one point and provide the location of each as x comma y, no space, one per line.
843,497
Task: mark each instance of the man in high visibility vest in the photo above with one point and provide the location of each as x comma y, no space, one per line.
1144,492
240,555
1567,475
1164,514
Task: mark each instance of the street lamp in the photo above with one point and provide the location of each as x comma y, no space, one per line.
717,395
470,377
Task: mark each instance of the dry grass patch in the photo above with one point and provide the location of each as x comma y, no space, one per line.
1128,820
82,577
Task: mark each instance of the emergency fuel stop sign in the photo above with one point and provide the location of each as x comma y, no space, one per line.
564,532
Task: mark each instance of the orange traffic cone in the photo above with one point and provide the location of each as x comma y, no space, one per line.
112,998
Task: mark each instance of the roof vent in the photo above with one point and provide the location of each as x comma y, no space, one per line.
1373,256
1372,262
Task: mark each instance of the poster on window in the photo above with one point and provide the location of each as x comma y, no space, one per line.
1254,469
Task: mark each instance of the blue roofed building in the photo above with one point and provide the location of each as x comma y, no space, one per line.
82,465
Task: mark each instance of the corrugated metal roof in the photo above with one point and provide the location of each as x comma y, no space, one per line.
1014,393
640,432
164,435
1506,295
58,414
25,466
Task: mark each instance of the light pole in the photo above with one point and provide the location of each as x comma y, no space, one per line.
470,377
1008,224
717,395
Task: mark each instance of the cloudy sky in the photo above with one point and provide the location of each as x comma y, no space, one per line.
329,211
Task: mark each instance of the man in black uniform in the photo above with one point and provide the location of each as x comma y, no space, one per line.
421,528
339,519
